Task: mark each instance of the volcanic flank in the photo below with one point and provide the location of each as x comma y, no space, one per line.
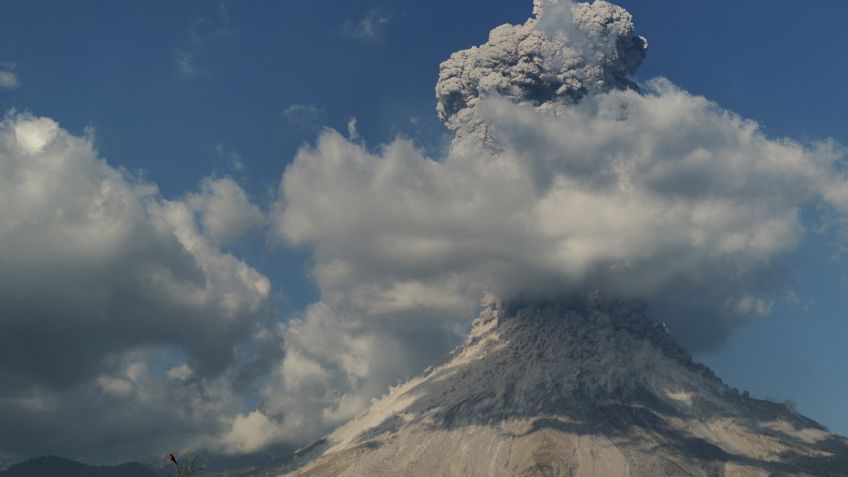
584,389
565,178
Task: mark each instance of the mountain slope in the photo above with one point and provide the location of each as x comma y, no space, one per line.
582,389
51,466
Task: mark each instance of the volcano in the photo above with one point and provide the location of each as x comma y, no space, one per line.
595,389
564,175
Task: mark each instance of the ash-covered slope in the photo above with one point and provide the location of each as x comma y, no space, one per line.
589,390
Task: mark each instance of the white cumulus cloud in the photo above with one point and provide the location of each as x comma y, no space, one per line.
226,213
96,270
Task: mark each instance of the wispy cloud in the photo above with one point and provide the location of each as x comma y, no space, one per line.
232,158
214,25
200,31
185,63
8,77
371,27
305,116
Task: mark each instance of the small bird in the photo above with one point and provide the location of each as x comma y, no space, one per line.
172,459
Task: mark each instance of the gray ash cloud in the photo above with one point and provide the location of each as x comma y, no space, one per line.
564,53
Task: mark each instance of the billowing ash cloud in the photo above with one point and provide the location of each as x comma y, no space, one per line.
560,56
101,278
563,179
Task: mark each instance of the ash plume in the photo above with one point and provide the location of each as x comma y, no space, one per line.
564,178
563,54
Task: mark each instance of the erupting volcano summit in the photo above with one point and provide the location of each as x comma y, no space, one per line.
648,207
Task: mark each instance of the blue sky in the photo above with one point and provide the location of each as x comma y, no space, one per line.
179,91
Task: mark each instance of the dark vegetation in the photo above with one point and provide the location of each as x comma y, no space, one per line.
52,466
